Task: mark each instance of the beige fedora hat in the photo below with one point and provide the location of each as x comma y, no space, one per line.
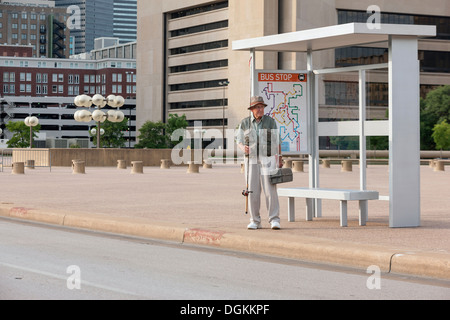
257,100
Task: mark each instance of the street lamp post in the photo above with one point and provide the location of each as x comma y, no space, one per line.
31,122
224,84
97,115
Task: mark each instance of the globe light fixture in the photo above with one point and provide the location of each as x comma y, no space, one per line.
31,122
84,101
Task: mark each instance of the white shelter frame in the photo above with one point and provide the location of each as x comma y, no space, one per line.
403,127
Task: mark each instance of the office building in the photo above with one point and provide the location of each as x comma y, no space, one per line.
186,59
46,88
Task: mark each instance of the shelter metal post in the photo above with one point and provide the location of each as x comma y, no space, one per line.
404,139
313,134
362,132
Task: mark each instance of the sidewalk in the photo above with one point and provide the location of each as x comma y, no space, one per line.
208,209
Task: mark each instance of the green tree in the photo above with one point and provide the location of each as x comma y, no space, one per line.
441,136
152,136
157,135
21,134
345,143
435,108
113,136
175,122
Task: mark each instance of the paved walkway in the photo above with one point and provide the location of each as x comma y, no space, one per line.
208,209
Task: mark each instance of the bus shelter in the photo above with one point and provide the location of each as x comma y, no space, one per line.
403,126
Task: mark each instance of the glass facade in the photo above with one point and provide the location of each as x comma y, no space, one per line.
340,93
101,19
430,61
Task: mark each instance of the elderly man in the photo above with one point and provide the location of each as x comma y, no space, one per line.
259,139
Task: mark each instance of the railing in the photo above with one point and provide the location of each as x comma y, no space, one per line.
32,158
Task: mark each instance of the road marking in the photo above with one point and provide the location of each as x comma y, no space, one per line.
64,278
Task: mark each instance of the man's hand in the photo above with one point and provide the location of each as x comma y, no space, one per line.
245,149
280,161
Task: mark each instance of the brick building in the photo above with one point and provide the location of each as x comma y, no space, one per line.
46,88
37,24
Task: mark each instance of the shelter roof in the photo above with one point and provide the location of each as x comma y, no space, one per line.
337,36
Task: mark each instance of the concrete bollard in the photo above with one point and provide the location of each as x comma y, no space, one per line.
193,167
346,166
137,167
165,164
297,166
207,164
439,165
287,163
431,163
30,164
78,167
326,163
121,164
18,168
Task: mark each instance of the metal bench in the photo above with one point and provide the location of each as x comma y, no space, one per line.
333,194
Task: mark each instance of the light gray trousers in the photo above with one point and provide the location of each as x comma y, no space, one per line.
259,179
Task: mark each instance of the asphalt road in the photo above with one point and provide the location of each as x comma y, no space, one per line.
44,262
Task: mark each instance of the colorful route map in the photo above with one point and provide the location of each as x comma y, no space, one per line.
285,93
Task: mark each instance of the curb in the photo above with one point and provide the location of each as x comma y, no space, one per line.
389,260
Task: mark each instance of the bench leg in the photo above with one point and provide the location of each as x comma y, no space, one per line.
343,213
291,209
363,212
309,209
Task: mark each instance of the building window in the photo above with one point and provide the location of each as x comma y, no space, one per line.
197,104
197,10
200,47
442,23
199,66
200,28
